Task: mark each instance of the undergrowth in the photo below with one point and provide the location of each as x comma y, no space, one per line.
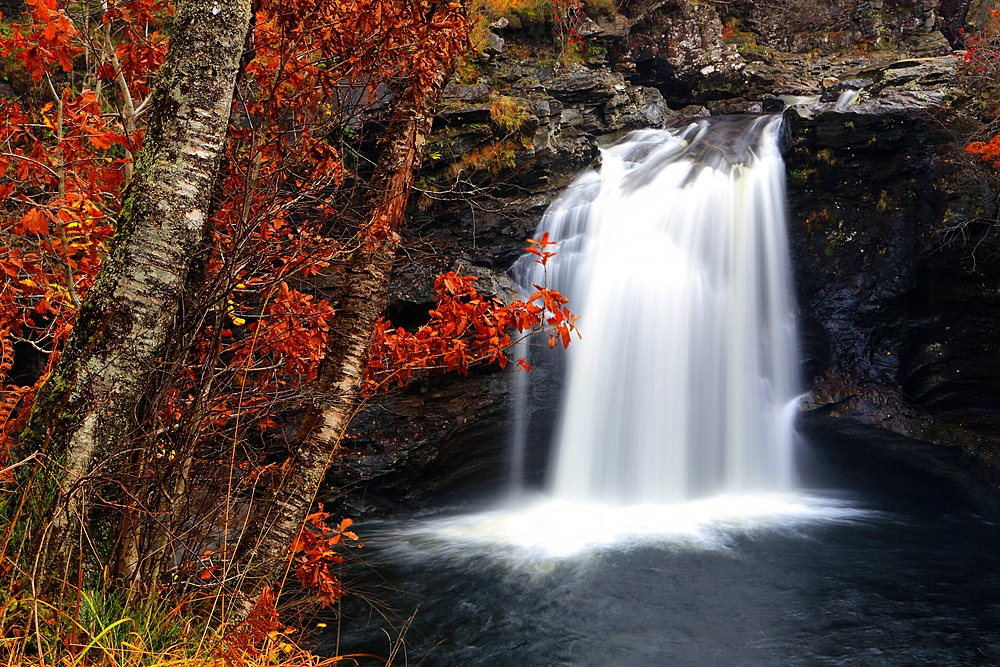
561,21
110,632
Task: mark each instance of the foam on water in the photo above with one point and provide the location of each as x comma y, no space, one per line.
539,532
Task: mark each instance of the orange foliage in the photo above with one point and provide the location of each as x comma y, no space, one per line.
986,151
250,338
242,641
315,547
980,68
466,329
280,219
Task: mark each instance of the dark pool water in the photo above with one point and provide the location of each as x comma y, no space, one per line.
899,585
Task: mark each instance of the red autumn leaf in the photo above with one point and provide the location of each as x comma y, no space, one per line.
102,140
33,222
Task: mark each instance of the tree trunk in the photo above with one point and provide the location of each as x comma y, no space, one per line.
82,417
277,516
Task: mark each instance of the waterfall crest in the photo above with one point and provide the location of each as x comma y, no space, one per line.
675,258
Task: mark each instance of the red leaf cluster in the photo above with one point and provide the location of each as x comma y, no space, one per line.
317,546
466,329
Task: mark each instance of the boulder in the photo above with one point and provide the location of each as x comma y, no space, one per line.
636,106
577,84
931,44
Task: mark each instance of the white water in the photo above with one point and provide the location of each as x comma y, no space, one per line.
798,100
678,408
534,533
846,99
675,258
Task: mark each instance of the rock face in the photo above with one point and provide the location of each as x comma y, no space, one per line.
679,48
803,25
890,232
891,224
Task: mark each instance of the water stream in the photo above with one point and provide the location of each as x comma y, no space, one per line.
893,587
674,257
673,528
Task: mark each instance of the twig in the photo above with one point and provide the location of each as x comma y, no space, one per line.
70,282
18,464
34,162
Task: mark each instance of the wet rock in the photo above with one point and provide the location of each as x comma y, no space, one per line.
909,467
886,229
469,94
490,284
579,85
678,48
464,115
930,74
433,442
903,85
616,26
693,111
979,16
805,25
454,142
521,70
546,108
635,107
822,41
889,227
931,44
737,105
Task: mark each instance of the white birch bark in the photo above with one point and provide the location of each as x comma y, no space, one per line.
83,415
277,517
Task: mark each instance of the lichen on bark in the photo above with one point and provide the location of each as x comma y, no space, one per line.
82,417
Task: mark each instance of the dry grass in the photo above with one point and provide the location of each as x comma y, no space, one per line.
508,114
107,634
130,650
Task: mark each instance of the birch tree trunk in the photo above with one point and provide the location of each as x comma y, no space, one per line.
277,516
82,417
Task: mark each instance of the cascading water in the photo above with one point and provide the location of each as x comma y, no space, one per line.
846,99
674,257
682,385
678,402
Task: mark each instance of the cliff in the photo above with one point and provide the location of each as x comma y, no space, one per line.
892,225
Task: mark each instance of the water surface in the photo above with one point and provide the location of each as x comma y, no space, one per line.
818,581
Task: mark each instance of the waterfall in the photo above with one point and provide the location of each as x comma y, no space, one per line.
846,99
675,258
